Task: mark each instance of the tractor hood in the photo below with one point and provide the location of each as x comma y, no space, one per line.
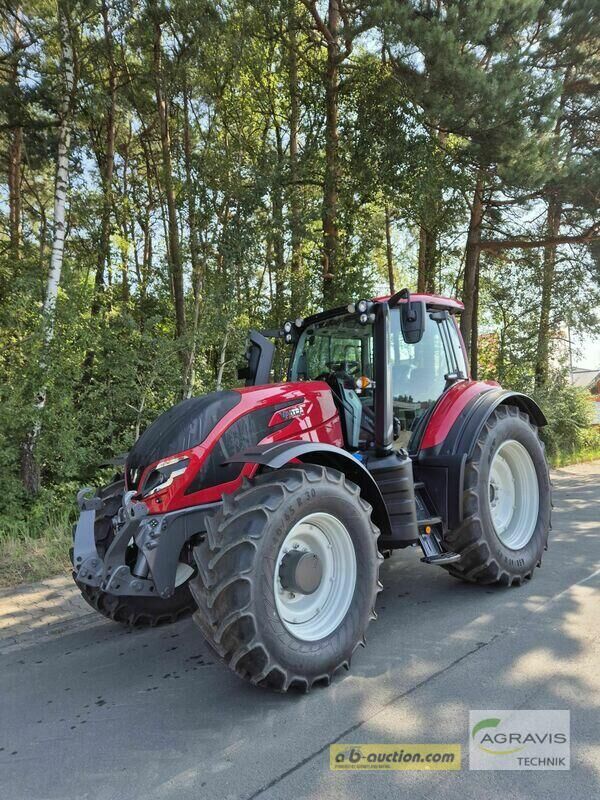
182,427
197,436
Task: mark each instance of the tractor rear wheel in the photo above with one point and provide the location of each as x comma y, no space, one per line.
288,577
507,503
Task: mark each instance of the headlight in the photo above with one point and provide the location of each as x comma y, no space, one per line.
163,475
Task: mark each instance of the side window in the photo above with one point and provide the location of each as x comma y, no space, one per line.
417,372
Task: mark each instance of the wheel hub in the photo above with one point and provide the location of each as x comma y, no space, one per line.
300,572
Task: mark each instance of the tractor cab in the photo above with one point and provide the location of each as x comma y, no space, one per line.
341,349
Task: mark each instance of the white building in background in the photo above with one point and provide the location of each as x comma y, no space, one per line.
588,379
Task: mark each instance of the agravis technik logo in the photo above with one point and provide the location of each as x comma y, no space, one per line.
517,740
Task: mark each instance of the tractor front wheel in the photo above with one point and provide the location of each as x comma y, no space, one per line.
134,612
506,503
288,576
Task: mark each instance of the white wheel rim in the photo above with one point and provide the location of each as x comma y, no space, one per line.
513,493
311,617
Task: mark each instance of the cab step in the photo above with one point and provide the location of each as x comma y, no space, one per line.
442,558
434,551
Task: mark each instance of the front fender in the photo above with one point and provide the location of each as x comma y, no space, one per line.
276,455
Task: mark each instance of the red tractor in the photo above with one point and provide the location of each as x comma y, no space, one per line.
265,510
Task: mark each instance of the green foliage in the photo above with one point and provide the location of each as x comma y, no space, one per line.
569,414
429,94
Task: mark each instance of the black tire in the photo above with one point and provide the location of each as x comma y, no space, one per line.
234,586
485,558
134,612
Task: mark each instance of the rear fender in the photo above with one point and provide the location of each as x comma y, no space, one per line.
442,466
278,454
464,433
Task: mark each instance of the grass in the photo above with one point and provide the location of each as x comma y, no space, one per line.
28,554
580,456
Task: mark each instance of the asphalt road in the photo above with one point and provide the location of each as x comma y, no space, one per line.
101,713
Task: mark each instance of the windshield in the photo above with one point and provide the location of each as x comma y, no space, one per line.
337,345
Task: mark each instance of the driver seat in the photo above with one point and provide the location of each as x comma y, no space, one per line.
349,406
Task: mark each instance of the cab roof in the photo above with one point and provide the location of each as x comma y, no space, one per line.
433,300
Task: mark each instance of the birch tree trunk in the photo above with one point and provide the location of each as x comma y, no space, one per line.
30,472
222,362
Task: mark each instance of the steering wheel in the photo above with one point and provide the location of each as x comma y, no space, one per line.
346,367
339,376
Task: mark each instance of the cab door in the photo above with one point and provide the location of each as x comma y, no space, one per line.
421,372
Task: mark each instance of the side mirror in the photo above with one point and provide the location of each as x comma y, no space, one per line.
412,320
412,315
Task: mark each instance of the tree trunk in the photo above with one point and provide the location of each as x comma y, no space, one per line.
279,306
421,259
197,270
427,261
175,262
429,231
388,248
553,220
331,181
296,280
107,164
15,152
548,266
475,329
15,148
222,362
30,472
472,262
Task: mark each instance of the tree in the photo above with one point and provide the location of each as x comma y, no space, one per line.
174,248
29,467
474,79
